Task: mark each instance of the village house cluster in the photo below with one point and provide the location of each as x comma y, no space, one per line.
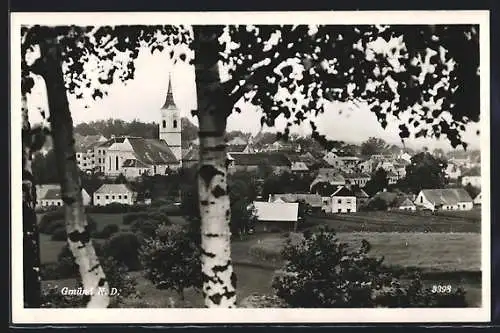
338,177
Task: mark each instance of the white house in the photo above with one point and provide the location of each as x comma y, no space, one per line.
85,154
473,177
473,180
113,193
343,200
50,195
444,199
453,171
404,203
276,214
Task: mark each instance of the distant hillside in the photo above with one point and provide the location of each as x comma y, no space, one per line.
118,127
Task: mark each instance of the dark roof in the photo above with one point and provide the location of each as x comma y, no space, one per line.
325,189
447,196
360,193
169,101
403,201
133,163
52,194
83,143
343,191
191,155
152,151
472,172
273,158
236,148
355,175
108,143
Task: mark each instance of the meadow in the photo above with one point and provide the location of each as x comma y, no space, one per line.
444,256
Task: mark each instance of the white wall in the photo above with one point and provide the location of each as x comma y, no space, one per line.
473,180
47,203
343,204
103,199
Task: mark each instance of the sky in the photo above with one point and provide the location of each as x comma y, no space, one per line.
142,98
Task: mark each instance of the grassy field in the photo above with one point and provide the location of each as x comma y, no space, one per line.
431,252
395,221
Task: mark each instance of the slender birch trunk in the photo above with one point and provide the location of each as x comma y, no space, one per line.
79,241
219,280
31,241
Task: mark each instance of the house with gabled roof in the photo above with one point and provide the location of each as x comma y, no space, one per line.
85,153
250,162
114,193
472,177
313,200
404,203
49,195
276,215
444,199
343,200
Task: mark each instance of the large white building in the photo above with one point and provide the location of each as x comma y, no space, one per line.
113,193
134,156
444,199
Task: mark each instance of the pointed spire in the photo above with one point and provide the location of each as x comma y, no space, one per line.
169,101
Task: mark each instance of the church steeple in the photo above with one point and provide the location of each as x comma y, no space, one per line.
169,101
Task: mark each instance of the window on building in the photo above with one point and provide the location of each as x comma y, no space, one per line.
113,197
421,199
175,123
339,201
119,197
107,197
116,162
164,124
58,203
109,167
348,210
339,210
154,169
125,197
98,197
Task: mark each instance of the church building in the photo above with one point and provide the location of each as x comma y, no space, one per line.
134,156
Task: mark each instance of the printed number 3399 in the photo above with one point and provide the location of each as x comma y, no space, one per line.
441,289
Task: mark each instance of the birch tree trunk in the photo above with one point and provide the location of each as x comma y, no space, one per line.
219,280
91,272
31,241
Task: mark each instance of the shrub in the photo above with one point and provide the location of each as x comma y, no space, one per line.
59,234
124,248
321,272
48,218
116,208
116,274
171,259
117,277
53,225
107,231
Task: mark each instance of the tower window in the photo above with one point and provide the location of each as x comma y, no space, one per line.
164,124
116,162
175,123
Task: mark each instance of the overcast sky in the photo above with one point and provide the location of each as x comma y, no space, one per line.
142,98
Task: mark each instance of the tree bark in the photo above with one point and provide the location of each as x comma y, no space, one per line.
31,241
91,272
214,106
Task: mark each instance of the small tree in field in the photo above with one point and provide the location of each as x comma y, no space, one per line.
171,259
321,272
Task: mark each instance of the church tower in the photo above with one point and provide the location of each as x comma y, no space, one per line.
170,123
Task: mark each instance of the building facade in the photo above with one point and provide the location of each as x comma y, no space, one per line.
113,193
